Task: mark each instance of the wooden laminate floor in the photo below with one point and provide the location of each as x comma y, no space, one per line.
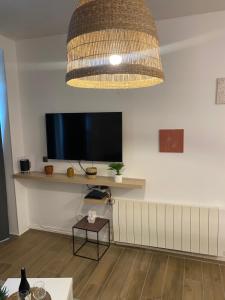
123,273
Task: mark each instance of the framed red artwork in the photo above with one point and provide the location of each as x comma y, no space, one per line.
171,140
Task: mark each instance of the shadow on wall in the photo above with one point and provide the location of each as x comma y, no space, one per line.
4,225
3,97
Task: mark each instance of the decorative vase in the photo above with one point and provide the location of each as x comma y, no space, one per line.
70,172
91,172
49,170
25,166
118,178
92,216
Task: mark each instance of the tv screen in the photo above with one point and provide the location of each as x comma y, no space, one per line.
84,136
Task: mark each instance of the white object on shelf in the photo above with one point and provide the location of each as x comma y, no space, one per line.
118,178
92,216
58,288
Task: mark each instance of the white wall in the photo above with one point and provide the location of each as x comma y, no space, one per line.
193,57
11,117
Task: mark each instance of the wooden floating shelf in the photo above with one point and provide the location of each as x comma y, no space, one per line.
128,183
96,201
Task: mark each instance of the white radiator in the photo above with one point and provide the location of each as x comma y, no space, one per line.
184,228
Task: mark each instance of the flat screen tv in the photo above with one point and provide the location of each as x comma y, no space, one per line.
84,136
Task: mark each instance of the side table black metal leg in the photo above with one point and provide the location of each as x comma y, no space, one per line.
73,241
109,232
97,246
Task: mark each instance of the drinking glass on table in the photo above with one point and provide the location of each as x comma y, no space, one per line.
23,295
38,290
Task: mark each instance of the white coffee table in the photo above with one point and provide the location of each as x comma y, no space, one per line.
58,288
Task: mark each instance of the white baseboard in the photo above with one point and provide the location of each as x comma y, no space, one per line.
174,252
51,229
5,240
69,233
15,233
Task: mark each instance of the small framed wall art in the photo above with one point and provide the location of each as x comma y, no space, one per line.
220,91
171,140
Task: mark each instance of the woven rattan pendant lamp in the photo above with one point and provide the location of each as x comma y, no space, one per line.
113,44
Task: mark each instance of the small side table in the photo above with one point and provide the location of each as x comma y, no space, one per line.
95,227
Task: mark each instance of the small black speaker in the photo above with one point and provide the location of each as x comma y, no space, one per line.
25,166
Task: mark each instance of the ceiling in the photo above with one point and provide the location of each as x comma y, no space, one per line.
22,19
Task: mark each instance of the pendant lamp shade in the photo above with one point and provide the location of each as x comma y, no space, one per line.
113,44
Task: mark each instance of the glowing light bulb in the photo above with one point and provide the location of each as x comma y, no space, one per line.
115,59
